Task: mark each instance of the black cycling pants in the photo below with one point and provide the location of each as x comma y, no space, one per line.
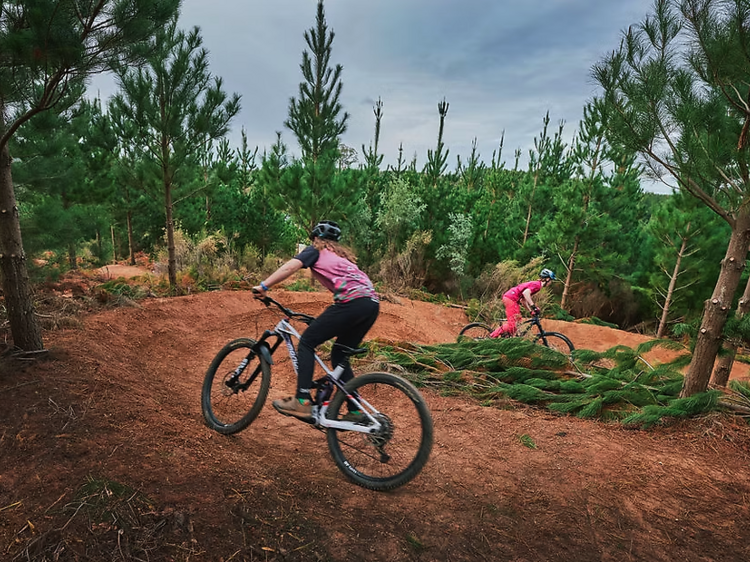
348,322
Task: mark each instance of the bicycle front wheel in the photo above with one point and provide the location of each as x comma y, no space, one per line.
398,452
235,387
476,331
557,341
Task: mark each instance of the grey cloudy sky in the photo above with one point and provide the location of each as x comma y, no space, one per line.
500,64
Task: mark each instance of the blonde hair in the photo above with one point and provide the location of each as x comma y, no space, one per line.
339,249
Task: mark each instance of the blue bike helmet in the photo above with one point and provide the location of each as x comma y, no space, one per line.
547,274
327,230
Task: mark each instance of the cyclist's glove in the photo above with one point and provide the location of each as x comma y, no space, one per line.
535,311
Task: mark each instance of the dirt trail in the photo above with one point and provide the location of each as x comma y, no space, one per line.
120,400
117,270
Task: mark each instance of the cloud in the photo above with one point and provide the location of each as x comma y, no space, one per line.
500,64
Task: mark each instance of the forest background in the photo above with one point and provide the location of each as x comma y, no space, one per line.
151,171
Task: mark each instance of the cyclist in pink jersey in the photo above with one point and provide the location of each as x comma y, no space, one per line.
513,298
354,310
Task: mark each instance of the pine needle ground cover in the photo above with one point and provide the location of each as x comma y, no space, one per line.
618,384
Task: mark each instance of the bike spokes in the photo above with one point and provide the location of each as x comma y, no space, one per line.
476,331
396,452
235,387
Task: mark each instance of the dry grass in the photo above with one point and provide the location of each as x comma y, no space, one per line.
108,521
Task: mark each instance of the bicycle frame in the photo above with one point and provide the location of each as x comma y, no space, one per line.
541,335
284,331
528,324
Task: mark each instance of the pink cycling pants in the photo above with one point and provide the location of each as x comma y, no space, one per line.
513,316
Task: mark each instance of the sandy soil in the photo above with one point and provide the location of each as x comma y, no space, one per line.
116,270
118,401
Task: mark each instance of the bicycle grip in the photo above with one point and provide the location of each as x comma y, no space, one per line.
259,296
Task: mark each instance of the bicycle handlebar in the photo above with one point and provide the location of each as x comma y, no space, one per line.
535,319
268,301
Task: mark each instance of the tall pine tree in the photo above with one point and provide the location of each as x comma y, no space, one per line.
682,230
47,46
177,107
310,189
688,117
574,233
55,166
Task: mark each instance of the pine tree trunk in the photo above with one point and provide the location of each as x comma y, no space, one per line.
569,276
489,216
24,325
131,248
670,290
531,206
172,263
99,244
717,308
114,246
723,368
72,258
724,364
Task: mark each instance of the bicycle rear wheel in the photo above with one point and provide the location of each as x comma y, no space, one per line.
557,341
398,452
235,387
476,331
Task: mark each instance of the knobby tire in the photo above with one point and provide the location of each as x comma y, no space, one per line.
230,410
406,440
557,341
476,331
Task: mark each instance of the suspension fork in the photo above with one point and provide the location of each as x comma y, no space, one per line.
261,349
265,349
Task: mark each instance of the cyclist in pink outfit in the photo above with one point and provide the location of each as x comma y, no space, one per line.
513,298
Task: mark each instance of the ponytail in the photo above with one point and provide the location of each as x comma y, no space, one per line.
339,249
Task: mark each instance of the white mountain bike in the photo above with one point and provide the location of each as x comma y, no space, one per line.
385,448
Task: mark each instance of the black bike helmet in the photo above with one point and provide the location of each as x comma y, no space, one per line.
547,274
328,230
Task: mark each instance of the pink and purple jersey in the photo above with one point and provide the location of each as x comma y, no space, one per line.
516,293
340,276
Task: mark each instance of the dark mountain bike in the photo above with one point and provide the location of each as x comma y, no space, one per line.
524,329
384,448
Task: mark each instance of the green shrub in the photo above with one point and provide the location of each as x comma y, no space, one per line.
301,285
